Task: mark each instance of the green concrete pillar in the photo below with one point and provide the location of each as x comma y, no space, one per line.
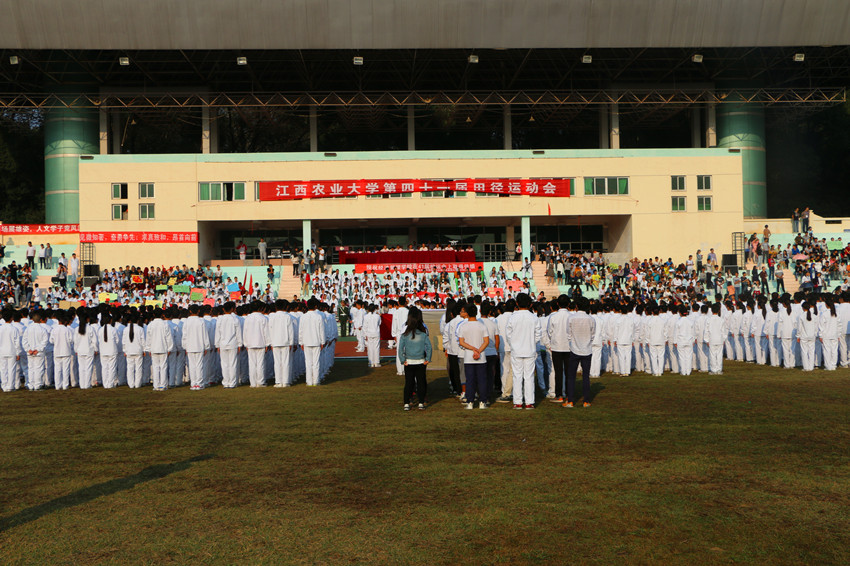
68,133
741,125
525,234
306,235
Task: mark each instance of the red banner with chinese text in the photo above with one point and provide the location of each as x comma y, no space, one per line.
139,237
418,267
39,228
293,190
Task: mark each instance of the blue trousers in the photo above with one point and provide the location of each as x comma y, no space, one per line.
476,381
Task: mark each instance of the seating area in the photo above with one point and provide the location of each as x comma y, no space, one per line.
409,256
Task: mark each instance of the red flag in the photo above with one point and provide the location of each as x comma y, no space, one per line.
251,284
245,279
549,206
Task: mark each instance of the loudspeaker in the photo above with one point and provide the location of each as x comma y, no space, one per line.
728,259
91,270
90,281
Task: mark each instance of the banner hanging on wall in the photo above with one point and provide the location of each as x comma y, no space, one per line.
294,190
139,237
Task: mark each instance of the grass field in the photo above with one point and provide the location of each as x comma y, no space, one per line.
748,467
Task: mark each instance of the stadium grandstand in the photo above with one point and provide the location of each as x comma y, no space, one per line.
628,127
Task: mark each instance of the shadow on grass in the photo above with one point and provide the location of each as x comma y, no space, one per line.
595,389
347,369
92,492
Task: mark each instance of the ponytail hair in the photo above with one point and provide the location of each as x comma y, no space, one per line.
807,307
132,334
104,320
83,321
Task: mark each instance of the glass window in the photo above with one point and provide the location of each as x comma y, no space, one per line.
204,192
588,185
704,203
145,190
703,182
215,191
119,191
623,185
146,212
678,204
238,191
119,212
677,182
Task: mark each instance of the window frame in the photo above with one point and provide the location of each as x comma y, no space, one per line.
701,202
150,213
124,211
678,183
683,207
149,190
701,182
123,191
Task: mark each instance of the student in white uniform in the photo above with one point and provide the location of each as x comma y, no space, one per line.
714,336
683,341
505,352
774,344
86,347
10,353
785,331
372,335
133,345
196,341
108,349
34,341
255,337
228,342
523,334
807,332
62,340
358,311
829,329
657,338
624,337
311,338
399,320
159,338
283,343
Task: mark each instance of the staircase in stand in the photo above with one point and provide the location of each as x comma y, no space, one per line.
290,286
538,270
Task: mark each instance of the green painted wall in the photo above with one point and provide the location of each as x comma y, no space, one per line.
742,126
68,133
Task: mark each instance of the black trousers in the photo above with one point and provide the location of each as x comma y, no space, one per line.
414,376
493,374
560,360
454,374
572,369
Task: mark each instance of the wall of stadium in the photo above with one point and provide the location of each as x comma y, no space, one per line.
641,223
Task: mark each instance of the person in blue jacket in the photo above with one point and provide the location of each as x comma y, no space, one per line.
414,352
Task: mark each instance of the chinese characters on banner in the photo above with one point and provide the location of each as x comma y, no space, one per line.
420,267
39,228
291,190
139,237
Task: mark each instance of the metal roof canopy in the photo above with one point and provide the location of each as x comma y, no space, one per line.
412,24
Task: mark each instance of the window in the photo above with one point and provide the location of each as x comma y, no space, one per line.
119,212
704,203
703,182
146,212
678,204
396,195
606,185
449,194
145,190
119,191
678,182
218,191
